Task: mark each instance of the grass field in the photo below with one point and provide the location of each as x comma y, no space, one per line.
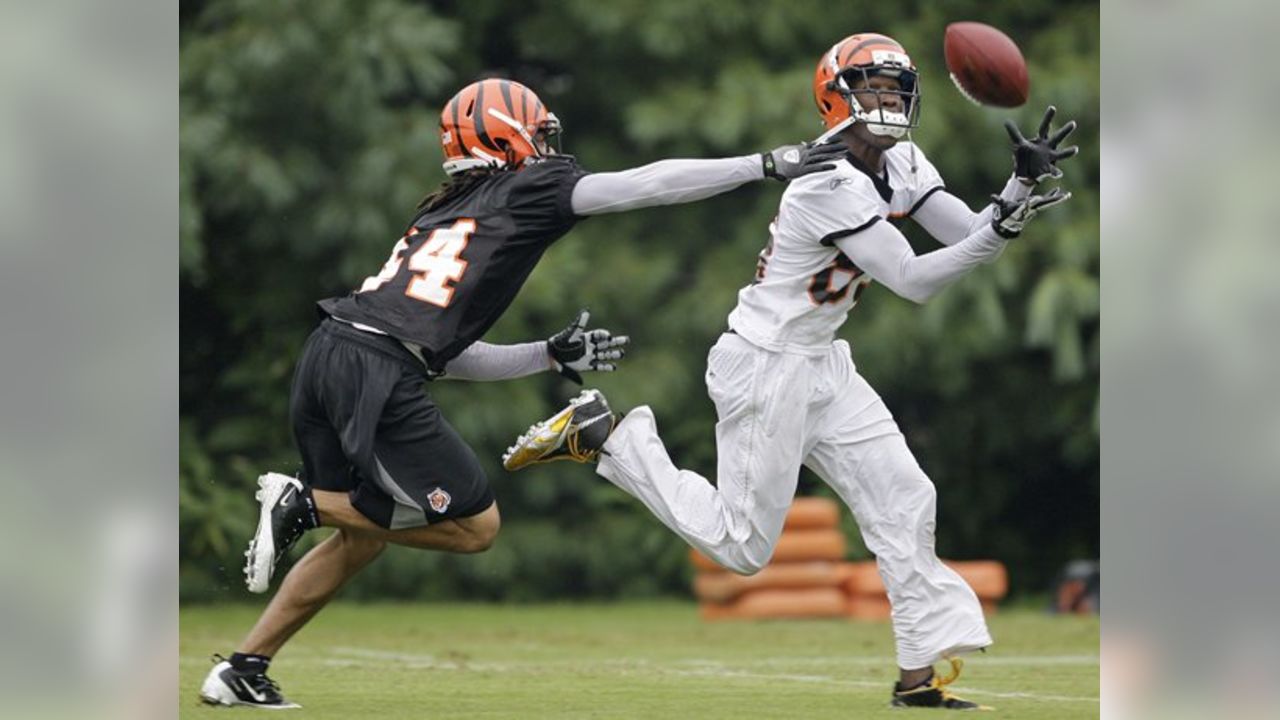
650,660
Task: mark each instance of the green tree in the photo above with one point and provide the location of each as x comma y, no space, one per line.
308,134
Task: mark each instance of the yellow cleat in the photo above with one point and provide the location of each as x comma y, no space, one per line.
934,694
575,433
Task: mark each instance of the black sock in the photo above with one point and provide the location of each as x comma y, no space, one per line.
897,687
245,663
313,515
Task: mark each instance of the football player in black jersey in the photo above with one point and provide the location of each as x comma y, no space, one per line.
380,462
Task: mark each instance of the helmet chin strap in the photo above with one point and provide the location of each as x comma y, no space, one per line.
914,166
835,130
511,122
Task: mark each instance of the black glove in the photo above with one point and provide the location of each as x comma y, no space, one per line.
1036,160
1010,216
792,161
576,349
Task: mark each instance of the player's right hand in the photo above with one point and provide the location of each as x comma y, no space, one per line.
1010,216
789,162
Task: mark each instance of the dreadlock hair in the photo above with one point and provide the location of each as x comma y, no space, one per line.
456,186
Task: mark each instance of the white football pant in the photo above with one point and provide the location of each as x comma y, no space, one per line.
778,411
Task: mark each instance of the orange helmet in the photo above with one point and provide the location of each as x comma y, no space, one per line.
859,57
496,123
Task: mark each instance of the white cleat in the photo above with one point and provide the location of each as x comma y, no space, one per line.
283,517
225,686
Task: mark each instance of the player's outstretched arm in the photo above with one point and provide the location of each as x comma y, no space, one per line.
949,219
572,351
670,182
883,252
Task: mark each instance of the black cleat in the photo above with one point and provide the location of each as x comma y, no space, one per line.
933,694
283,517
575,433
227,686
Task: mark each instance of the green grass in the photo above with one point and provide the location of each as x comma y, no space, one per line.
640,660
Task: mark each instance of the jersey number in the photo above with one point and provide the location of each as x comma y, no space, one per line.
762,263
822,287
436,265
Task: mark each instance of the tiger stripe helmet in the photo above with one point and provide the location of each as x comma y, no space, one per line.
860,57
495,123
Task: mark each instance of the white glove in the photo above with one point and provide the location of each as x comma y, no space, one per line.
575,349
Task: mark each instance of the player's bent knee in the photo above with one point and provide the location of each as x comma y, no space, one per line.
479,531
478,543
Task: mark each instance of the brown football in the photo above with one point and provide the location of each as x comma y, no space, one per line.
986,65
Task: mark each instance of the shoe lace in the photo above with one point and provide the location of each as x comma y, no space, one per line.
575,444
573,439
261,682
956,666
575,450
940,683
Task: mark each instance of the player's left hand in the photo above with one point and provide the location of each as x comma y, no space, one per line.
792,161
1011,216
1036,160
576,350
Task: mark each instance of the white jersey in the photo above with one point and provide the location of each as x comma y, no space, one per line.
804,286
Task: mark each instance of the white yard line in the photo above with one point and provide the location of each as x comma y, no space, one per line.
1024,696
355,655
977,660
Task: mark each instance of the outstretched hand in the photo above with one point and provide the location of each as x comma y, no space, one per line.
576,349
1036,160
1011,216
789,162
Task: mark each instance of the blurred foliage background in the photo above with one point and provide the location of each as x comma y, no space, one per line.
308,134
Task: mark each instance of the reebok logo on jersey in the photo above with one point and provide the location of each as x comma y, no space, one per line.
837,182
439,500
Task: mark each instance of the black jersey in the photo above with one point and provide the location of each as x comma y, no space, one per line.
460,265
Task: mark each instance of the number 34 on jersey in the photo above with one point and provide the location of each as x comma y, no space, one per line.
436,266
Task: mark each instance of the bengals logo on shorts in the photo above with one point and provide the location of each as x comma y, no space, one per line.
439,500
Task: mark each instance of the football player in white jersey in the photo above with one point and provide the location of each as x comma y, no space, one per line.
786,390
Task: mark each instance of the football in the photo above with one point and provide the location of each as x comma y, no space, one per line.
986,66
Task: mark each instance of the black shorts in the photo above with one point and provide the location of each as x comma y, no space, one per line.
364,424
